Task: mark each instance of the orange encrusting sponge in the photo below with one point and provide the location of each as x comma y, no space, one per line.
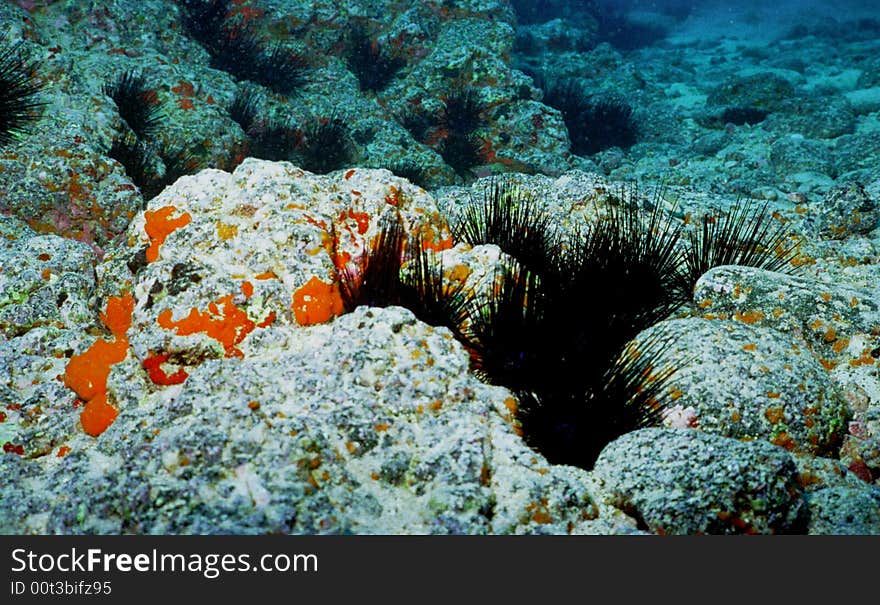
117,316
153,366
229,328
86,374
316,302
160,225
97,415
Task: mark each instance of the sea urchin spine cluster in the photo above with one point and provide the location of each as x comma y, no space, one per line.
558,329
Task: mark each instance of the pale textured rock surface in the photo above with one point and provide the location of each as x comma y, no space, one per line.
680,481
842,511
45,280
751,383
368,424
837,323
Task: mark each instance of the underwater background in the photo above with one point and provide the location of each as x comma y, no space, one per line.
212,211
731,98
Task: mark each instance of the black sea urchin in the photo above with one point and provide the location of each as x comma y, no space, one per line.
462,111
139,162
376,281
371,64
19,87
508,216
462,151
747,235
136,103
556,329
326,145
244,108
237,50
594,123
572,428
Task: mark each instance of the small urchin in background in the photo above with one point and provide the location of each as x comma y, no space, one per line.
20,106
594,122
136,102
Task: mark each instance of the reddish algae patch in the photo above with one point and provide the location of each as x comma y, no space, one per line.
160,225
86,374
153,366
316,302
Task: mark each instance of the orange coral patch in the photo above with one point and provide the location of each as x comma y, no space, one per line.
270,319
229,328
785,440
459,273
97,415
840,345
153,366
117,316
828,364
86,374
316,302
361,218
341,260
749,317
393,198
184,89
160,225
774,415
511,404
439,245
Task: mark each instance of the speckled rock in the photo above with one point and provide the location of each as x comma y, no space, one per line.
262,244
836,321
864,100
858,152
848,210
370,423
765,90
843,511
712,143
44,280
838,324
38,414
815,474
739,381
686,482
796,154
814,117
